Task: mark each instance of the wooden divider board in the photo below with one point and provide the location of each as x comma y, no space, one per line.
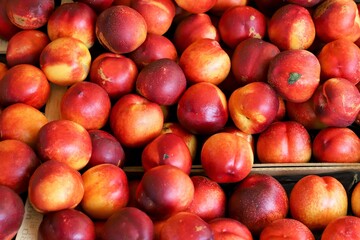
3,46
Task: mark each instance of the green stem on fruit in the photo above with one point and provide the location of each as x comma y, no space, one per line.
293,77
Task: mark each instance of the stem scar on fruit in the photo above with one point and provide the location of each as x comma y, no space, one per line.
293,77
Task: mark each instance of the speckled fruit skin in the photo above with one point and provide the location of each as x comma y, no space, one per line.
258,200
121,29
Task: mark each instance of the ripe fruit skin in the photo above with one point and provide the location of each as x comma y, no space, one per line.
335,19
326,199
120,29
347,227
51,180
340,59
12,212
66,224
258,200
160,200
333,144
106,190
253,107
185,225
294,74
337,102
202,109
228,166
135,121
298,20
284,142
129,223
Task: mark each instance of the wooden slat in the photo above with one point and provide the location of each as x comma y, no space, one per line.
3,46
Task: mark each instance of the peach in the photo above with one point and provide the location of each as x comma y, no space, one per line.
337,145
251,59
129,223
337,102
294,74
159,200
12,210
326,199
105,149
192,28
222,5
117,81
203,206
3,69
185,225
87,104
284,142
196,7
64,141
74,19
24,83
304,113
66,224
189,138
354,200
257,201
305,3
202,109
120,29
167,148
251,113
135,121
29,14
240,23
25,47
162,81
154,47
99,5
22,122
158,14
8,29
226,228
67,55
342,228
298,20
336,19
340,58
205,61
55,186
106,190
235,152
18,163
286,228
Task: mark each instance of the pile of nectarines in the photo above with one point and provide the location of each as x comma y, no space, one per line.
92,88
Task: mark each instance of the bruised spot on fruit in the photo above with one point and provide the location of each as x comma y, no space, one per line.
253,33
252,18
293,77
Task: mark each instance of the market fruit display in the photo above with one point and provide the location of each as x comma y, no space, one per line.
176,119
